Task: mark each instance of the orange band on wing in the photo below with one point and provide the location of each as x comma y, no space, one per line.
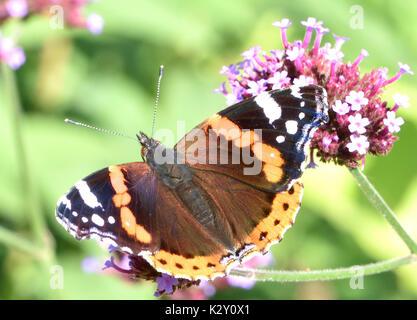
132,228
117,179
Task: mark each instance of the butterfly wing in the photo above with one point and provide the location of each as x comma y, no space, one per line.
101,206
128,207
260,141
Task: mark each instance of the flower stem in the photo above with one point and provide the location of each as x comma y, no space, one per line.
329,274
383,208
14,240
28,191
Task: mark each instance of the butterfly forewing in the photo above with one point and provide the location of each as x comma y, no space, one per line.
274,128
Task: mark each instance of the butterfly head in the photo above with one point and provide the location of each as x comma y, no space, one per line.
148,144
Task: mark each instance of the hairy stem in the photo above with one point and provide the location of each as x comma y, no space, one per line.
383,208
328,274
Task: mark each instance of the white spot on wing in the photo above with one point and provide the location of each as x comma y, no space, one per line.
84,219
111,220
301,115
75,213
97,220
271,109
295,91
65,201
280,139
292,126
89,198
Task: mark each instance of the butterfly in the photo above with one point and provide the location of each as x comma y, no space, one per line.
227,191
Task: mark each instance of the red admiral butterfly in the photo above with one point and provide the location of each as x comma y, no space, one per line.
196,219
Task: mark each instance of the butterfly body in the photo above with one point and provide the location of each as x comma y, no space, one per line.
194,211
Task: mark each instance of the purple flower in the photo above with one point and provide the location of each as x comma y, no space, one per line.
339,41
166,284
320,31
12,55
405,68
357,123
334,55
95,23
16,58
311,23
279,80
283,24
17,8
303,81
362,55
251,53
356,100
244,283
222,89
401,100
326,141
256,87
91,265
358,144
393,124
341,108
294,53
209,289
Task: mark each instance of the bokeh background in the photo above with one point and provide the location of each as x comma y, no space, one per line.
109,80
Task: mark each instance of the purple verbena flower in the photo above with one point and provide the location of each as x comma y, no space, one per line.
357,123
361,121
401,100
95,23
17,8
256,87
339,41
302,80
12,55
340,107
359,144
356,100
166,284
284,24
392,122
279,80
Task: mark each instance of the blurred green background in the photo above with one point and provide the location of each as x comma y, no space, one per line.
110,80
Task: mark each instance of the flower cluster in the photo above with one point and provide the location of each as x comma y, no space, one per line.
11,54
360,121
71,14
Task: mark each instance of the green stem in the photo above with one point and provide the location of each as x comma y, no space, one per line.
31,200
329,274
383,208
14,240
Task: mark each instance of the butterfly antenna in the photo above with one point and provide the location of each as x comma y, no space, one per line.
161,69
99,129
